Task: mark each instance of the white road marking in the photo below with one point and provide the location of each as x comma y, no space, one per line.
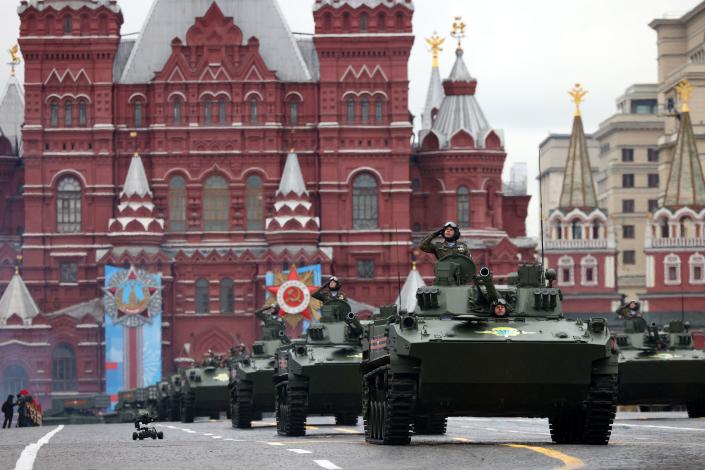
217,437
658,427
207,434
275,443
233,440
29,454
327,464
300,451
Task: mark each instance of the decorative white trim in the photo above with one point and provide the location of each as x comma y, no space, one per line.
566,262
696,260
137,95
609,272
672,261
62,77
215,94
650,271
178,93
253,92
589,262
364,68
294,93
67,95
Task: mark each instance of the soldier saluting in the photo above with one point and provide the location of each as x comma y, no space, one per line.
450,244
333,285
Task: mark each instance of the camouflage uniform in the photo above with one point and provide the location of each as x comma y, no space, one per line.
444,248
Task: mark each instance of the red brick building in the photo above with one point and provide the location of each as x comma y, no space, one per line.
218,93
579,240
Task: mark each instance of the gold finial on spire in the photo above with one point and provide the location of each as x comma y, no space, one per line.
684,89
18,262
133,135
578,93
15,55
458,31
413,265
435,42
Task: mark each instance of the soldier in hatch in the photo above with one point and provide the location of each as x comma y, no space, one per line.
450,244
629,310
333,285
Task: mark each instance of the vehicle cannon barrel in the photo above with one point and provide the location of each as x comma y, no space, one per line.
484,279
354,324
283,337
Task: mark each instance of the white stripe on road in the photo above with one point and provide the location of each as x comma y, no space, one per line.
658,427
207,434
29,454
300,451
217,437
327,464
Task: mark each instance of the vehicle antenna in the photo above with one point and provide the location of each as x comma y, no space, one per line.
396,231
543,266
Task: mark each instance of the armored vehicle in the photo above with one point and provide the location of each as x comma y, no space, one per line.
174,400
151,403
77,409
320,374
660,368
204,390
459,354
163,400
251,390
125,409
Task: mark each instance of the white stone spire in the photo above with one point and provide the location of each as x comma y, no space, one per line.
136,183
292,179
407,296
17,300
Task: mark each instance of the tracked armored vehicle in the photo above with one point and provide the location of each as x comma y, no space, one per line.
204,390
174,400
77,409
660,368
251,389
454,355
125,409
163,400
320,374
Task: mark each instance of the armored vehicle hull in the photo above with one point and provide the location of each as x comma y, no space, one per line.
252,391
204,393
455,356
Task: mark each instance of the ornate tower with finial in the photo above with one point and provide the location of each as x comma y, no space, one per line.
579,240
435,94
675,236
457,171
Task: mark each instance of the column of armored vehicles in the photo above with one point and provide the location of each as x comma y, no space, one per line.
470,348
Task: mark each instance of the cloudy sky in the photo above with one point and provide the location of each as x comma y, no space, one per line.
525,55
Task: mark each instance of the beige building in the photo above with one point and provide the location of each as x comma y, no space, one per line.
628,181
681,55
553,152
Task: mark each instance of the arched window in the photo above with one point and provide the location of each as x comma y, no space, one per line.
697,268
82,114
672,269
588,271
364,202
576,230
177,204
253,111
463,206
557,231
67,25
63,368
400,22
328,22
222,111
381,21
351,110
293,112
363,23
595,230
208,111
202,296
665,228
379,115
215,204
365,110
68,205
54,114
346,22
566,274
254,201
138,113
14,379
176,111
68,114
227,299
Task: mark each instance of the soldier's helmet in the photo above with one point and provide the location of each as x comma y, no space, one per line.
456,230
338,284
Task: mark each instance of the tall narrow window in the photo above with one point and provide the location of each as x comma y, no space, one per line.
364,202
68,114
463,206
253,111
215,204
208,112
346,22
63,368
254,201
227,299
82,117
68,205
577,230
14,378
177,111
138,114
294,112
365,110
54,114
221,111
67,25
351,110
202,297
363,23
378,111
328,22
177,204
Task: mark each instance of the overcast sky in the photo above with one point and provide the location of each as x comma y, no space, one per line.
524,54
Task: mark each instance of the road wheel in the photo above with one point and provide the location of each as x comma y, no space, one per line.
696,409
134,436
175,408
242,405
430,425
346,419
388,405
160,435
292,400
188,407
590,423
